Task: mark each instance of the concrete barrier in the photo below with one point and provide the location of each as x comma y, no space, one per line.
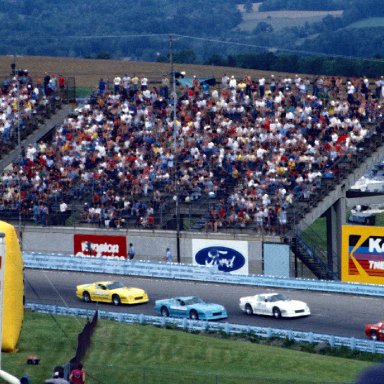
37,260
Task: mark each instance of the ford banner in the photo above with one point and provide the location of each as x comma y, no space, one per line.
225,256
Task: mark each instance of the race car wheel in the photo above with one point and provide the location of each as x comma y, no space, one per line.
248,309
193,315
276,313
374,335
116,300
164,311
86,297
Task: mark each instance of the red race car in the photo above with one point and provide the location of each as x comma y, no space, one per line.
375,331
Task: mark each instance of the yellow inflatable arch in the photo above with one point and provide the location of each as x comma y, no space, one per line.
13,306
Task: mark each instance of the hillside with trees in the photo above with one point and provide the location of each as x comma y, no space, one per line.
203,31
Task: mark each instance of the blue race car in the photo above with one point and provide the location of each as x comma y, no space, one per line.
190,307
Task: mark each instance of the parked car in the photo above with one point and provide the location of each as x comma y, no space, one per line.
273,304
364,215
111,292
191,307
375,331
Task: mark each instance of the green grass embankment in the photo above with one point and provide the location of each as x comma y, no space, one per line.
137,354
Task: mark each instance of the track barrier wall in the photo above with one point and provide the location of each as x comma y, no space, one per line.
37,260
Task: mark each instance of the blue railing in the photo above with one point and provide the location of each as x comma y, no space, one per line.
353,344
36,260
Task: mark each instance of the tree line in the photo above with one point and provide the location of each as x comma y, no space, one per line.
316,65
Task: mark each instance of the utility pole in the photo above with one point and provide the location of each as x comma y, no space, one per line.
16,74
176,197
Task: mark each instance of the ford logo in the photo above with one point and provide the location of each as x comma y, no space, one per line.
226,259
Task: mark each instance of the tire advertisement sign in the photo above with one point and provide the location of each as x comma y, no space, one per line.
100,246
362,254
225,256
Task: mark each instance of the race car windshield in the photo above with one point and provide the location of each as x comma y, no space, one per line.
115,285
277,297
193,300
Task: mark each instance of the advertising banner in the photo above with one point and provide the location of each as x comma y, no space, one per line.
100,246
226,256
362,259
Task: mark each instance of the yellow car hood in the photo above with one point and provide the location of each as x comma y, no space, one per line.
129,291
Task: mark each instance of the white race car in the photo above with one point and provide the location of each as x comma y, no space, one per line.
273,304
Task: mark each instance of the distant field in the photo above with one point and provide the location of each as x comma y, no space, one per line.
281,19
88,72
278,22
367,23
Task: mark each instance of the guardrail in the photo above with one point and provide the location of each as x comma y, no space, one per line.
353,344
36,260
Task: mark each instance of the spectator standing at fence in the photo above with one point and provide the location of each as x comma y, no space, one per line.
36,213
63,212
47,79
116,84
168,256
77,375
43,213
131,251
102,86
135,83
61,81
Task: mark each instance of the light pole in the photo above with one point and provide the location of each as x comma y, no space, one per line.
176,197
16,74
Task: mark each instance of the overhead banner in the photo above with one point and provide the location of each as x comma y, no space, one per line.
362,259
225,256
100,246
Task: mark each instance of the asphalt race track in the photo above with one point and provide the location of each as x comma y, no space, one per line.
332,314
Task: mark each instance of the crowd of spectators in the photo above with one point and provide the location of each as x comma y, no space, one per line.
22,103
254,146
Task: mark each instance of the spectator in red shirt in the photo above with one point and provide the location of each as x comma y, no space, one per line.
77,375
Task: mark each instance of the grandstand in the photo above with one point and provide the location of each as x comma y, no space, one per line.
260,156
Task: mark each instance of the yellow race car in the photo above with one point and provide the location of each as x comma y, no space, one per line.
111,292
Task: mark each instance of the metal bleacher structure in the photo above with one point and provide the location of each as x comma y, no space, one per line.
329,200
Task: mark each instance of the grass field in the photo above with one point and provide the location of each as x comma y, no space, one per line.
136,354
281,19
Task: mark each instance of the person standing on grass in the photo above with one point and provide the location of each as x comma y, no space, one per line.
77,375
